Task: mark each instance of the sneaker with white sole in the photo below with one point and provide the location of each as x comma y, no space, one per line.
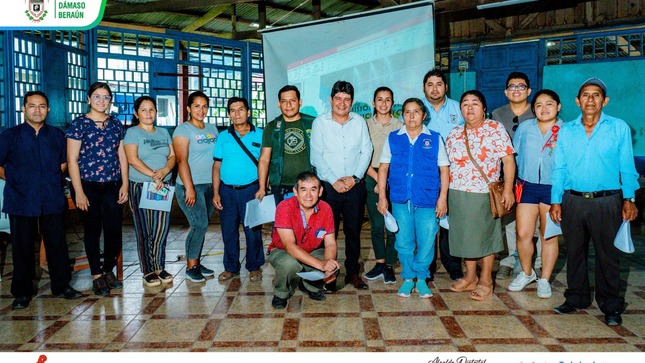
522,279
543,288
194,274
406,289
206,272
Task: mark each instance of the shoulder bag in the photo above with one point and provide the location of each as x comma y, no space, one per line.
495,188
246,151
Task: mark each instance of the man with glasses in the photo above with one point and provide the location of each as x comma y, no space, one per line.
518,109
444,114
303,240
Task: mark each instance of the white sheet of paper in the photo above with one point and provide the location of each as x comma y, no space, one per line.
259,212
314,275
623,240
390,222
444,222
551,229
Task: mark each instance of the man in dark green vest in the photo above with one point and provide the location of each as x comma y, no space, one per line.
285,146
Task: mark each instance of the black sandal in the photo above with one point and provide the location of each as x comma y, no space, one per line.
151,280
165,277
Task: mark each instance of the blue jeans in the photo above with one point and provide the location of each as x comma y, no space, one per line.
234,207
417,230
198,216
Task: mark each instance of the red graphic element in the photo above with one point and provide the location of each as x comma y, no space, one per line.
550,143
42,359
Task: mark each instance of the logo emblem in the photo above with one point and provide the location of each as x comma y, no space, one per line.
426,143
36,10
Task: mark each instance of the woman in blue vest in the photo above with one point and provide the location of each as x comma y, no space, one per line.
416,160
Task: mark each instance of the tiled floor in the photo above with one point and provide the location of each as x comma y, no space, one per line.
237,315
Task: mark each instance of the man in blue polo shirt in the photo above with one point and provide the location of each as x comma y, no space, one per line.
594,182
235,182
444,114
32,161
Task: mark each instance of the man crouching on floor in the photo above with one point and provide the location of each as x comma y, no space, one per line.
303,240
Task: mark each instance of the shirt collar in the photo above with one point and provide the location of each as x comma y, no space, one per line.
578,121
231,128
403,130
27,128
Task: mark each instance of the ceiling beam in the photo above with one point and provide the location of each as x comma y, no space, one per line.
205,19
120,8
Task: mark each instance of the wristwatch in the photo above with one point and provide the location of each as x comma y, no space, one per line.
632,200
356,179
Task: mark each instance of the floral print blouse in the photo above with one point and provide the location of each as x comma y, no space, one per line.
98,159
489,143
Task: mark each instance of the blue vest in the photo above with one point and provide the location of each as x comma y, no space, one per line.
414,174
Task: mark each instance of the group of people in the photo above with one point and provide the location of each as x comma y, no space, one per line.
437,162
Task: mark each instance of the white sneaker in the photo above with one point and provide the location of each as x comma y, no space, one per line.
522,279
543,288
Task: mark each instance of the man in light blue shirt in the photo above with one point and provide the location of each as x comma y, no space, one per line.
341,150
235,182
444,114
594,181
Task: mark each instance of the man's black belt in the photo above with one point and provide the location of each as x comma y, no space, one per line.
591,195
238,187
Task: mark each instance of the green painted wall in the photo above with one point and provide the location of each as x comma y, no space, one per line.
457,81
625,87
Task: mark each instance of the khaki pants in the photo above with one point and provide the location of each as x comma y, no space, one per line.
286,281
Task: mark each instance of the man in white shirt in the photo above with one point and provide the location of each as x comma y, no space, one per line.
341,151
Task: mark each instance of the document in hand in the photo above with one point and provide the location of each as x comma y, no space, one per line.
151,198
623,240
315,275
259,212
552,229
444,222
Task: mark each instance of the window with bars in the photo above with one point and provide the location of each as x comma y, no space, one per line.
220,85
258,94
27,71
212,54
442,61
612,46
594,47
128,80
77,84
561,51
142,45
72,38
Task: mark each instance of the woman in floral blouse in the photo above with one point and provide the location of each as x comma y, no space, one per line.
534,141
99,171
474,234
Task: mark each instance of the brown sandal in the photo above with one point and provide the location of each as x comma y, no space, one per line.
481,293
226,275
463,285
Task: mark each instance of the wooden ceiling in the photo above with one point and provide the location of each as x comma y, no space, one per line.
241,19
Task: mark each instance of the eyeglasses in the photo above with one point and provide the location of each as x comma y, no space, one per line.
516,87
516,123
99,97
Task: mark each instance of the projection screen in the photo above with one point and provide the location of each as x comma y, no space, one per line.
392,47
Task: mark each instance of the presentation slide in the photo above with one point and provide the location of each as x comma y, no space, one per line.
393,47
